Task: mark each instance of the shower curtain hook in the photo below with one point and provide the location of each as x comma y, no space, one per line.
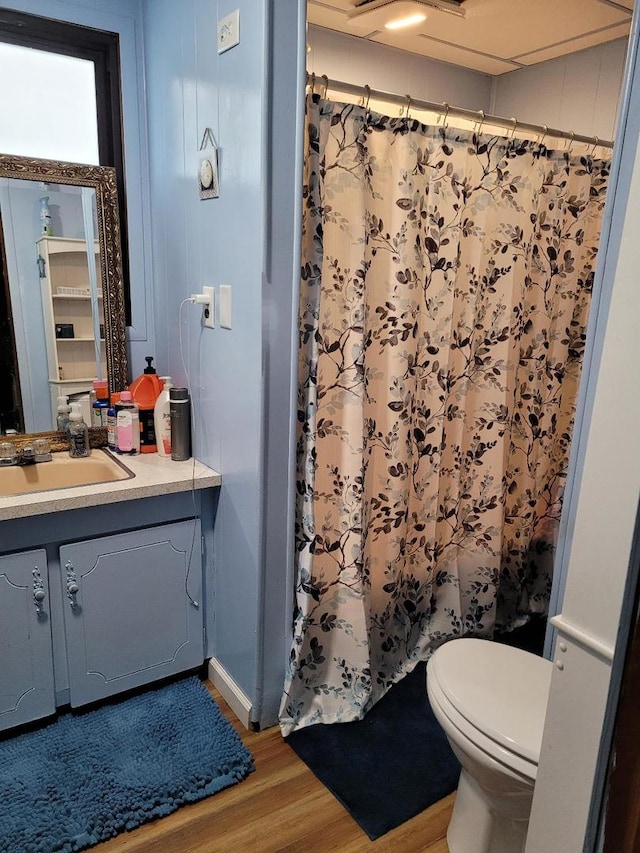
446,113
312,82
325,79
543,137
367,96
482,118
513,129
408,107
595,145
571,137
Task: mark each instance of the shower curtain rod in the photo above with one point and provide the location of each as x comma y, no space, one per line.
365,92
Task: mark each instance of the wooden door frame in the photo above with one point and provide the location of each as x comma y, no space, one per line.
620,827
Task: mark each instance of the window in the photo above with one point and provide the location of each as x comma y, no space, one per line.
96,55
50,100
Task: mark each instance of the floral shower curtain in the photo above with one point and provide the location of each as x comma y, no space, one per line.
446,282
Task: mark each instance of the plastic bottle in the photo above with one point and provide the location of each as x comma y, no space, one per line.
162,419
45,216
92,399
100,405
111,420
127,425
62,414
145,390
180,414
78,433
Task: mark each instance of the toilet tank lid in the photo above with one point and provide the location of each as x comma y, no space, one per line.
500,690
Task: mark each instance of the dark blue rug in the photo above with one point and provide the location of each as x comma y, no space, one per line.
89,776
388,767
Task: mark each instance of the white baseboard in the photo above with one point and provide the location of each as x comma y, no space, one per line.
235,697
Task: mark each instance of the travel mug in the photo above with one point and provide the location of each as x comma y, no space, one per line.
180,418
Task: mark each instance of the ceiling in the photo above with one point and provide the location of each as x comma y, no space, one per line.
491,36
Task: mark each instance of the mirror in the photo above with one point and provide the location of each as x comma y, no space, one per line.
62,317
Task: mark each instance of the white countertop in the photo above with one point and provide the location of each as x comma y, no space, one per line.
154,475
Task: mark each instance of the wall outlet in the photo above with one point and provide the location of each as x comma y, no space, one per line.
208,312
229,31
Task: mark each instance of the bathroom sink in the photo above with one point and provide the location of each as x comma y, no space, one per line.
62,472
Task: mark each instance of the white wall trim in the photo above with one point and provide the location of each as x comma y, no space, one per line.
233,694
582,637
600,540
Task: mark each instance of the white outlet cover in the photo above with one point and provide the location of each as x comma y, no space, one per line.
229,31
224,306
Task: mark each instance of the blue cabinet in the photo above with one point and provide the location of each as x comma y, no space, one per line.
26,657
84,620
132,611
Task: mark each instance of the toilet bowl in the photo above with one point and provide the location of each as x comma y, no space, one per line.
491,701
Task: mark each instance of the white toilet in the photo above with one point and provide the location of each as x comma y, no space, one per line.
491,701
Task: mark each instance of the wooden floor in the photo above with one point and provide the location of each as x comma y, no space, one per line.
281,807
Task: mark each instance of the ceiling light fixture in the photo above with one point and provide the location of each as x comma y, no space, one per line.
375,9
409,21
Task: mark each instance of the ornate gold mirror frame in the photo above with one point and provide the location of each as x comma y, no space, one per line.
102,179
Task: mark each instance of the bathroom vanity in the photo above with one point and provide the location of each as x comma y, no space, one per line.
102,586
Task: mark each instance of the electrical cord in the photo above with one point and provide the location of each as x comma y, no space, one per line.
194,299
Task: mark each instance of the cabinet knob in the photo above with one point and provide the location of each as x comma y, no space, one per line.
39,594
72,584
72,589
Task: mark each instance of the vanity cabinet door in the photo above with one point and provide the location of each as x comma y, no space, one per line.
26,658
131,608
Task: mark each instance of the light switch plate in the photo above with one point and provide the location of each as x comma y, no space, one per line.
224,306
229,31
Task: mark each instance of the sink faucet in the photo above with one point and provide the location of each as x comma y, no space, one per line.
27,455
8,454
38,451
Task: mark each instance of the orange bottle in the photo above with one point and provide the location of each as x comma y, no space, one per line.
145,390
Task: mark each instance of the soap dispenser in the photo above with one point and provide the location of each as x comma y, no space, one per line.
78,433
62,414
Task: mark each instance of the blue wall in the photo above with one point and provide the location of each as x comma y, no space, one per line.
175,85
197,243
280,341
229,240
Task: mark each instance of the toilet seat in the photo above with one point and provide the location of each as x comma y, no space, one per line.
471,739
496,696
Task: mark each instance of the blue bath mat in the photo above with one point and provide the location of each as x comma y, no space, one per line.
388,767
89,776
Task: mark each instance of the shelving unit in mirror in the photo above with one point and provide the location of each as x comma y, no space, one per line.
73,316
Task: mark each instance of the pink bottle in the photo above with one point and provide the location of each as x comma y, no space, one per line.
127,425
